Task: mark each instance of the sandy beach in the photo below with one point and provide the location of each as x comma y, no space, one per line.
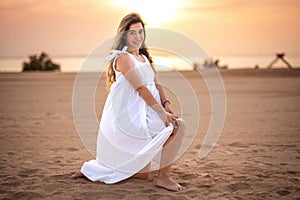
256,157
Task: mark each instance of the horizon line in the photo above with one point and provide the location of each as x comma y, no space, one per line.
86,55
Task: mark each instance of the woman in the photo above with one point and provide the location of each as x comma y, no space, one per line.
137,126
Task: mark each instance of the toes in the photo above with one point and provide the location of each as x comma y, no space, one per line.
180,188
169,184
173,188
176,189
77,175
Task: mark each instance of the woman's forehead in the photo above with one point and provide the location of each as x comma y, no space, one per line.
136,26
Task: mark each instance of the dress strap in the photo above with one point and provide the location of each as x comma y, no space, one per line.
114,55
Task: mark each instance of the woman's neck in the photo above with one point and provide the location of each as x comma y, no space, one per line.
134,52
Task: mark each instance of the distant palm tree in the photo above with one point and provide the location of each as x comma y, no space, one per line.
40,63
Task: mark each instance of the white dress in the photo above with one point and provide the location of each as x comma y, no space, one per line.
131,134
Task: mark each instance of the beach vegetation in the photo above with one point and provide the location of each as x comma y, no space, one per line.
40,62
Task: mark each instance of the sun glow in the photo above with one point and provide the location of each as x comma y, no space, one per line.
153,12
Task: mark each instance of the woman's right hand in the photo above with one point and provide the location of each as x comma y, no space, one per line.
171,118
166,117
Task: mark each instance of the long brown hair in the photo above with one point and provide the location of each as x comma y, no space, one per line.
120,42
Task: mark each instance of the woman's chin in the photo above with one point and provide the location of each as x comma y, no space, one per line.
134,48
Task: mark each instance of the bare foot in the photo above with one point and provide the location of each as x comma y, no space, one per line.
142,176
168,183
77,174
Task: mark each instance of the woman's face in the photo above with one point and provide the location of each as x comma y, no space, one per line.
135,36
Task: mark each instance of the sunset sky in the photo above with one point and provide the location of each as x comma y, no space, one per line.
222,27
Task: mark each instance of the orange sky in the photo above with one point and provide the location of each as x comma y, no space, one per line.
222,27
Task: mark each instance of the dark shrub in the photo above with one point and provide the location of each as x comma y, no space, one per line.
40,63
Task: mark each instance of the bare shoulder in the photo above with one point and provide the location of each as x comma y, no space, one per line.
123,63
123,57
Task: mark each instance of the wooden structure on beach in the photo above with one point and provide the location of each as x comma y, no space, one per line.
280,56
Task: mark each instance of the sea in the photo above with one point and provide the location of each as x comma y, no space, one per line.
162,63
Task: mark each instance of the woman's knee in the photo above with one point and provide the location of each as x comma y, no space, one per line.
182,126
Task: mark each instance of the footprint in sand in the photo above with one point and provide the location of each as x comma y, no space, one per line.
28,195
188,176
283,192
159,196
292,172
28,172
56,149
58,177
238,186
10,184
11,153
263,176
72,149
239,144
204,185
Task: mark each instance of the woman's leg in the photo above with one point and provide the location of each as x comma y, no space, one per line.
168,154
144,173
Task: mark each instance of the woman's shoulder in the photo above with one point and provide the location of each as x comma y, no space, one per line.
123,58
124,62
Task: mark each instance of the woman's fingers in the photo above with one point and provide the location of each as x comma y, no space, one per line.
173,119
166,116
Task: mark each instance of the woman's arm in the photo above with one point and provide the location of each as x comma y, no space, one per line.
125,66
161,93
164,101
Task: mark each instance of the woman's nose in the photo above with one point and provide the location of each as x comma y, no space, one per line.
138,36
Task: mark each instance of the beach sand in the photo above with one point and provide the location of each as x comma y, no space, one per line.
256,157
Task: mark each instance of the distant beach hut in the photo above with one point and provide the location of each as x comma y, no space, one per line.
280,56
